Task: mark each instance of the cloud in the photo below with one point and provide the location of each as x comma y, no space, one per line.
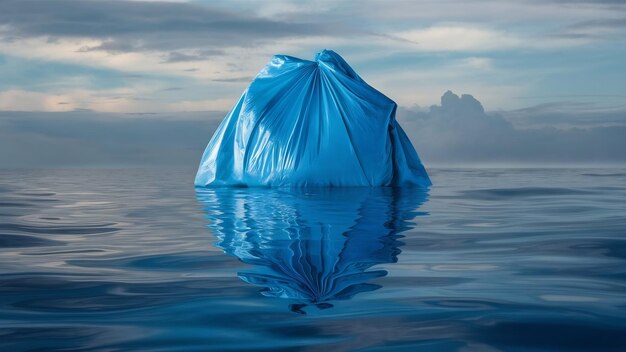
16,99
567,114
136,99
154,37
248,55
589,2
606,28
192,56
478,38
459,131
424,85
459,38
135,26
405,14
411,50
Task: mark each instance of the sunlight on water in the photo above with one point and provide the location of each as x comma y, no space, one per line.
488,259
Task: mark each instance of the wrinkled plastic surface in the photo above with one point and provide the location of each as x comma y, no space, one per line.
313,245
310,123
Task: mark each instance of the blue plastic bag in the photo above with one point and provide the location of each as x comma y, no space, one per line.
307,123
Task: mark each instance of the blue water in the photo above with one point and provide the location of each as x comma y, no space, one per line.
488,259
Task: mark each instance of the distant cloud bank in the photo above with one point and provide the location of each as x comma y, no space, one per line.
460,131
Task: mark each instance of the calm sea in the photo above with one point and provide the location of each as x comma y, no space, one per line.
487,260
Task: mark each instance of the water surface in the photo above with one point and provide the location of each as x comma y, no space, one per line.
488,259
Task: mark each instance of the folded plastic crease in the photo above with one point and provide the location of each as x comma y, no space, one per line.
305,123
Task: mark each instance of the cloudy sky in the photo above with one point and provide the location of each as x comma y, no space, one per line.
119,82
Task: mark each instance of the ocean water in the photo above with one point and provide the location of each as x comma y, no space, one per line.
487,260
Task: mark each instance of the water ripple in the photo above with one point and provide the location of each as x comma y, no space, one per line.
489,259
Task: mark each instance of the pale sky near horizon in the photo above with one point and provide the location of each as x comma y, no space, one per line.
554,64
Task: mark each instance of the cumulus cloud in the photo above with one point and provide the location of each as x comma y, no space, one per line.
459,131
